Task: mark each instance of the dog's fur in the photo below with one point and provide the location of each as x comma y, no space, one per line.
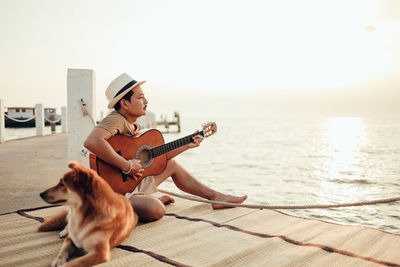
98,218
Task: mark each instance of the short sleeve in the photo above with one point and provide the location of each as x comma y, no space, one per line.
113,123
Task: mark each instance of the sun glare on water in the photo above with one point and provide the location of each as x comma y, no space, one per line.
342,171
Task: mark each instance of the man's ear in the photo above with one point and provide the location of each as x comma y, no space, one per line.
123,103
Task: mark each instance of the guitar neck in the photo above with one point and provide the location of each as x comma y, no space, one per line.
163,149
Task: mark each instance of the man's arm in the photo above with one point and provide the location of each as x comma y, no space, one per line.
97,143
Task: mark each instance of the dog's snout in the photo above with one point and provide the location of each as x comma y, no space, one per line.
43,195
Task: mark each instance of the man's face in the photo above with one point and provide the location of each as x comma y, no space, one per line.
138,104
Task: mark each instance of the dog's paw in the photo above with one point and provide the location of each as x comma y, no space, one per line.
58,262
63,233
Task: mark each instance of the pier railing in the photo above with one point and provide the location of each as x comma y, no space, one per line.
39,118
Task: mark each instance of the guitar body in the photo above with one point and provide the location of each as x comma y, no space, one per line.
131,148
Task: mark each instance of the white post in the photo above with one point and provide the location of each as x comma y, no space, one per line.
2,122
80,91
64,122
39,119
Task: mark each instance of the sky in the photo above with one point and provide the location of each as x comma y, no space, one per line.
209,58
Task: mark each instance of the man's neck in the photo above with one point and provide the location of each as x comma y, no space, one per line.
130,119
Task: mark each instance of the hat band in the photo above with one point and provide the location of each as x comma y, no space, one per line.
130,84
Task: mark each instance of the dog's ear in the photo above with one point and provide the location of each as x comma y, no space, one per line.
80,176
75,165
76,170
79,168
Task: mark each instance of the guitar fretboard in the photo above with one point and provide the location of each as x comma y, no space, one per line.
163,149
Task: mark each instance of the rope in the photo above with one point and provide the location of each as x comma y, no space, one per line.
34,116
85,112
285,207
14,119
50,121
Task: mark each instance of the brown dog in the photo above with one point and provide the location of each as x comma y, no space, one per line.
98,218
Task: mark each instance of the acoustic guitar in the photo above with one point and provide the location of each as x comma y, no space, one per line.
149,148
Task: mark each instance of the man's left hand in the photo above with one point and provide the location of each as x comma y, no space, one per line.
196,141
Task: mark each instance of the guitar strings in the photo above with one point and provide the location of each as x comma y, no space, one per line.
165,148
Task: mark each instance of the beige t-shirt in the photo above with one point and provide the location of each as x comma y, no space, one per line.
116,123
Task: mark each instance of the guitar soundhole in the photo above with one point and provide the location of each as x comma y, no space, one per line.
143,154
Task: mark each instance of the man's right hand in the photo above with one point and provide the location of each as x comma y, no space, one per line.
137,170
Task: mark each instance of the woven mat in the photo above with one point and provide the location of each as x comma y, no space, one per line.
192,234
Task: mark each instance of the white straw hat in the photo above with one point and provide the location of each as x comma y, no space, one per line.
119,87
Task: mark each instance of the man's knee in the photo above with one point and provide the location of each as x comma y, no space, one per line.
171,163
148,208
153,214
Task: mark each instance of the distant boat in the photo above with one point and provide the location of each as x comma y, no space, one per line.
24,117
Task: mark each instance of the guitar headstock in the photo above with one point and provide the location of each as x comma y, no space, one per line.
209,129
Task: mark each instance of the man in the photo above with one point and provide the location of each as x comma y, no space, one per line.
127,98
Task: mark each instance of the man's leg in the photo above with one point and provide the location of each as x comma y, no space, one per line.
149,208
187,183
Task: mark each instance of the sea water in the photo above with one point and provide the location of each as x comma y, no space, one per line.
298,162
301,162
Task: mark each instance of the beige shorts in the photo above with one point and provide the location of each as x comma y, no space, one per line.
146,187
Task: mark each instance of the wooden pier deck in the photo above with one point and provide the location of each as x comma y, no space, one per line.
190,234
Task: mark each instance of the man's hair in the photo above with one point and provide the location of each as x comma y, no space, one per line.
126,97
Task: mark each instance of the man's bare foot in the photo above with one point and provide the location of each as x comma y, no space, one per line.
229,199
166,200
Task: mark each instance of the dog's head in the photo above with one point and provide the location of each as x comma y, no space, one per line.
73,187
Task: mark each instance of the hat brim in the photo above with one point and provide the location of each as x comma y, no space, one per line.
120,96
